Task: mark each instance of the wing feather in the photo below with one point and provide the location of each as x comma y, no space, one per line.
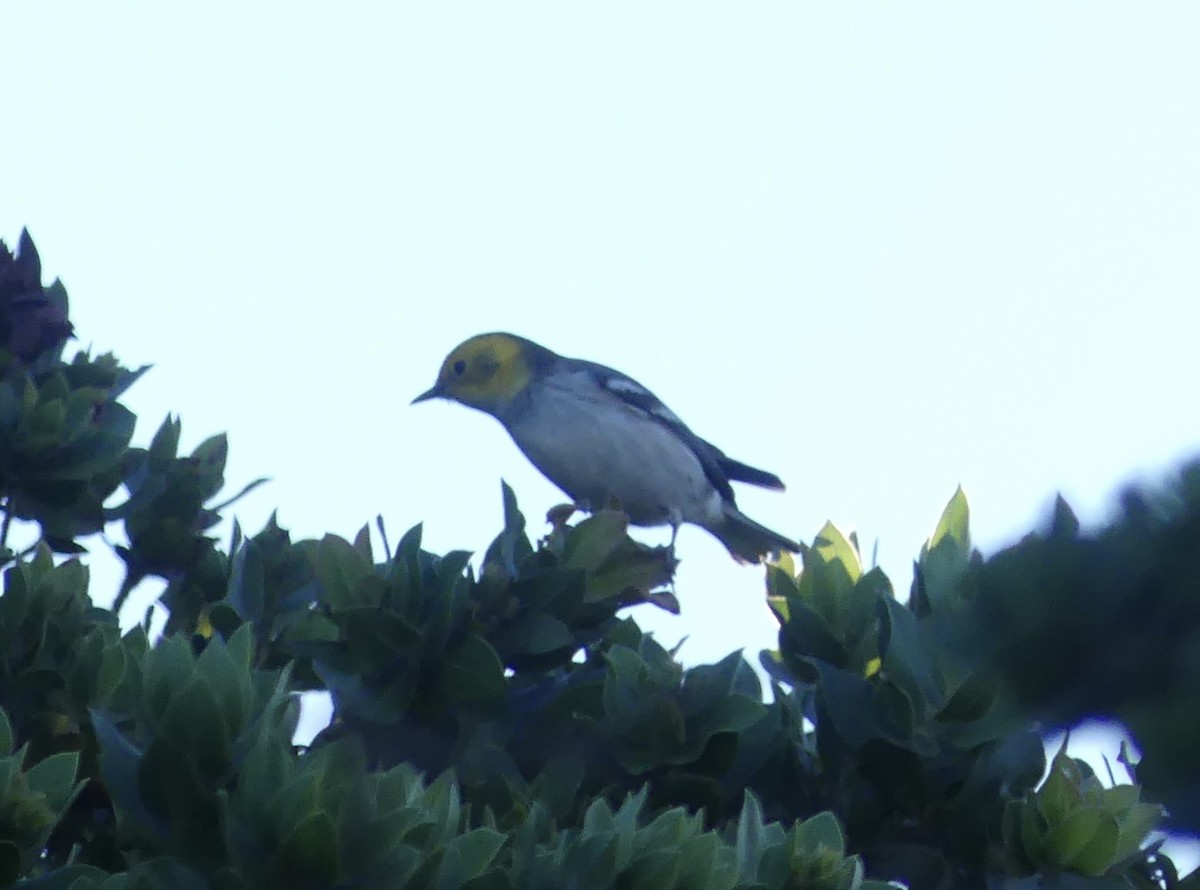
718,467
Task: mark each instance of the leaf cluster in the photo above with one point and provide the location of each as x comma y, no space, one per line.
500,721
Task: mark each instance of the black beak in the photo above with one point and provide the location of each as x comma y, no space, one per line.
432,393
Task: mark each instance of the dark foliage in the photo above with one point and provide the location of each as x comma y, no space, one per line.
499,724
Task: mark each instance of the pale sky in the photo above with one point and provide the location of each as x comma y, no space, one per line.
880,249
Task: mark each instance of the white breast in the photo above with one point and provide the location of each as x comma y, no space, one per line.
597,449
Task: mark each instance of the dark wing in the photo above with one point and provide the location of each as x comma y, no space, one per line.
719,468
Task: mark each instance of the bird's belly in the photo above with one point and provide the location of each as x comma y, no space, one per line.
601,454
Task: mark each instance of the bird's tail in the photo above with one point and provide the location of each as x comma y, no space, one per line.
746,540
740,472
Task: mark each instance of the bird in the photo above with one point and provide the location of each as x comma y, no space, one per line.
606,440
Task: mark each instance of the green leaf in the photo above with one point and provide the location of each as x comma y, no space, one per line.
72,877
229,681
54,776
247,582
1068,838
972,700
208,459
733,714
6,733
595,539
10,771
710,683
310,851
168,783
834,549
954,523
240,649
831,570
199,724
1099,852
558,783
1063,522
165,444
472,674
652,871
908,656
850,703
631,572
1031,826
241,493
808,635
540,633
477,849
375,636
1015,762
511,547
707,863
1061,792
342,572
821,832
781,577
165,669
443,805
749,838
946,556
362,543
1136,823
119,764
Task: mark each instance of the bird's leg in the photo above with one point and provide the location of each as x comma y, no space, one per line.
611,503
674,519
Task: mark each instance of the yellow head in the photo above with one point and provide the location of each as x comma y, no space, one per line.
487,371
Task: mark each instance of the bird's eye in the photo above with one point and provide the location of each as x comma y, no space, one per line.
459,367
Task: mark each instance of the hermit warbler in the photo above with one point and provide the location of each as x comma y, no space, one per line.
603,438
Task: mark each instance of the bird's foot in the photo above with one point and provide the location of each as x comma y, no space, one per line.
611,503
